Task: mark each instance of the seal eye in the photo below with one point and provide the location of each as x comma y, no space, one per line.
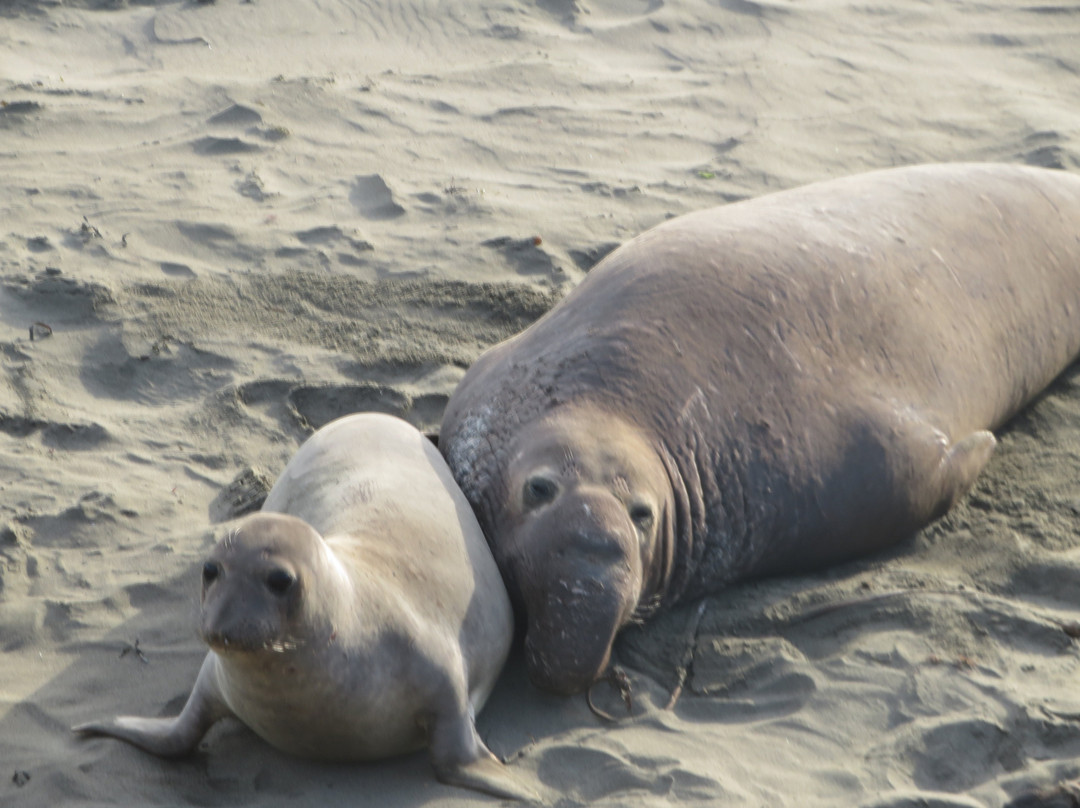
279,582
539,491
210,572
641,515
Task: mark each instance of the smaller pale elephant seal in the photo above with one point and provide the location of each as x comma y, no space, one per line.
359,615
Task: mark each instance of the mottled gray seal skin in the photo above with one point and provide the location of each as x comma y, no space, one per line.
767,386
359,615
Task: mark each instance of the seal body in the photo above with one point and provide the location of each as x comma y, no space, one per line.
762,387
359,615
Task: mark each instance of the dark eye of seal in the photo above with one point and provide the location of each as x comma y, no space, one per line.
210,572
279,582
641,515
539,491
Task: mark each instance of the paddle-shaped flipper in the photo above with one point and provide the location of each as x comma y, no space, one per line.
961,465
461,759
169,737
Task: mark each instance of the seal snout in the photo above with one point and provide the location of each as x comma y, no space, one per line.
228,630
579,573
567,649
596,544
592,526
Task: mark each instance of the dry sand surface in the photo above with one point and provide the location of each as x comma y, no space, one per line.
226,223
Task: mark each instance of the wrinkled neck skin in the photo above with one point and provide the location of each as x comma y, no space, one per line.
586,538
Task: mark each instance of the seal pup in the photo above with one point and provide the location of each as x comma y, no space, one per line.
359,615
766,386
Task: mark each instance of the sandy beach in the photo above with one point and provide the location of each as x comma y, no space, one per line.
226,223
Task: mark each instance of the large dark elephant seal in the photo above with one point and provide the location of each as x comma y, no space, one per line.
359,615
765,386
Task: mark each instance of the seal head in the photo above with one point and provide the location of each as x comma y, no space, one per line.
253,585
589,504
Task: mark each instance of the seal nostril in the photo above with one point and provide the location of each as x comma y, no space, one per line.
599,546
279,582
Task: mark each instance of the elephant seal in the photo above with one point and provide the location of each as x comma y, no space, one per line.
359,615
762,387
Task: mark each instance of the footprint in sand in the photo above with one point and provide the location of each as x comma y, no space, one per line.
372,198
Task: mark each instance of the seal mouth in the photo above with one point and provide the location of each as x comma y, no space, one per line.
223,643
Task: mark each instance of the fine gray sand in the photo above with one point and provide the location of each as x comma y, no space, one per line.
224,224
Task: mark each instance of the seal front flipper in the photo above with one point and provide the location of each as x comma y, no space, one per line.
960,465
461,759
489,775
169,737
923,471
